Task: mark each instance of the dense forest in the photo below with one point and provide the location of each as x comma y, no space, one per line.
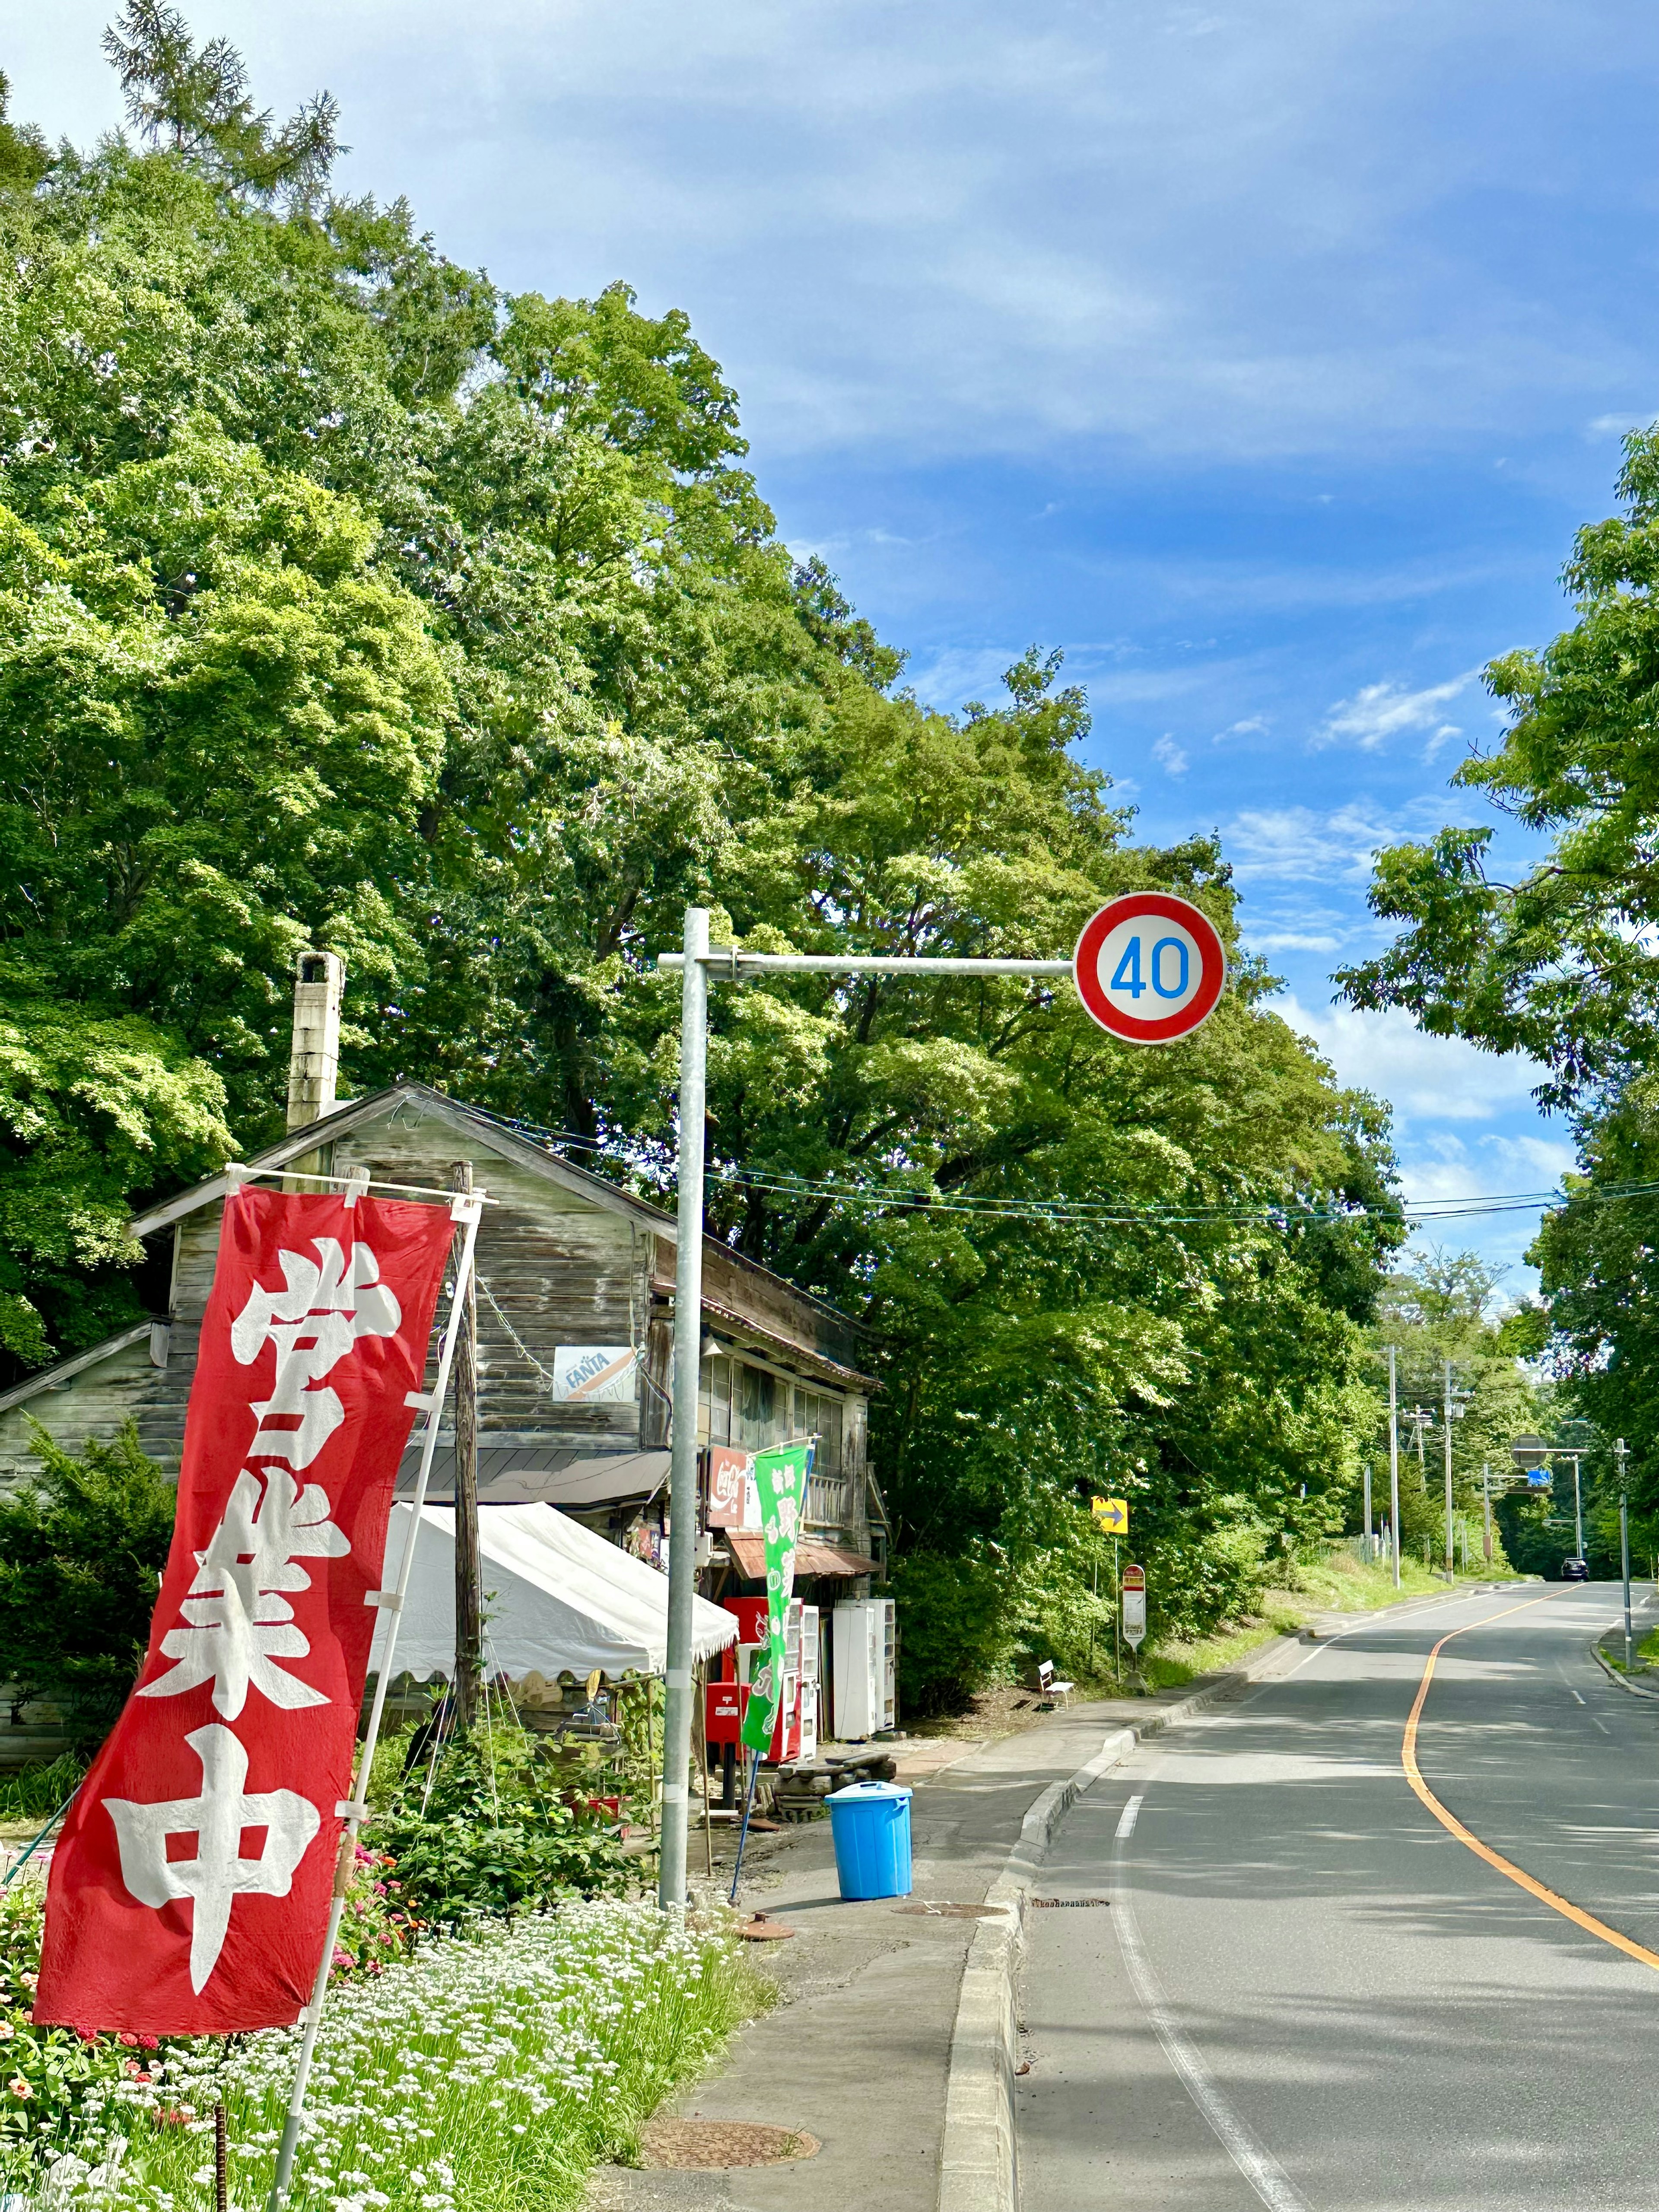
347,600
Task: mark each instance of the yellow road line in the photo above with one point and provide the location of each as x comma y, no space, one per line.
1453,1825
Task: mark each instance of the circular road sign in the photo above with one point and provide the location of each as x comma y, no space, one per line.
1149,967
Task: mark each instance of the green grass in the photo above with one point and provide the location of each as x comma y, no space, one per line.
1339,1583
34,1793
490,2075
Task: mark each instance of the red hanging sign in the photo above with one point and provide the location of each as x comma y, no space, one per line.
190,1891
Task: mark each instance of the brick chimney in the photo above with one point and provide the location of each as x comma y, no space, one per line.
314,1063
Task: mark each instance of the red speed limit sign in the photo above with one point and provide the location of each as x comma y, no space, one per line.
1150,967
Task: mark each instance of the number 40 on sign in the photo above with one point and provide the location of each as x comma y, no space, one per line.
1149,967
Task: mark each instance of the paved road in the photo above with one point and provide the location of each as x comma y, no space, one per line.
1307,1994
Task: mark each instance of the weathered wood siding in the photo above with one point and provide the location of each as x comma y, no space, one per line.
562,1270
556,1267
92,1403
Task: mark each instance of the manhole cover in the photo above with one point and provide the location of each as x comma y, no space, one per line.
950,1911
682,2144
1052,1903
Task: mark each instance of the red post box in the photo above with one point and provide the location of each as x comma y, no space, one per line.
723,1705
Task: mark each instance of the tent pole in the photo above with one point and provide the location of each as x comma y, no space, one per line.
465,1207
700,1723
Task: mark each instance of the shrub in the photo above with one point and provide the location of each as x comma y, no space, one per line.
81,1547
956,1628
489,1832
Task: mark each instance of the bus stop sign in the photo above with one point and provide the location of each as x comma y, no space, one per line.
1150,967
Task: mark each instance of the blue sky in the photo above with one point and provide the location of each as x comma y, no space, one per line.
1263,356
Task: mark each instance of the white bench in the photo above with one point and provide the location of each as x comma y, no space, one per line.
1047,1686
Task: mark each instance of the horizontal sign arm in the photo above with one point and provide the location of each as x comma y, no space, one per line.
726,962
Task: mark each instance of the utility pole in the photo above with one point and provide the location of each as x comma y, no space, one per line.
1485,1500
1578,1507
1619,1453
1394,1459
1451,1562
469,1620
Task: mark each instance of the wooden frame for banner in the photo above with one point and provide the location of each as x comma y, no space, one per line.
465,1207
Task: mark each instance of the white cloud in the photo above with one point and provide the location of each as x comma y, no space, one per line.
1295,844
1170,756
1426,1078
1291,940
1253,725
1447,1170
1381,711
956,227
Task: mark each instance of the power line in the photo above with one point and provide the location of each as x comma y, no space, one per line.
1280,1213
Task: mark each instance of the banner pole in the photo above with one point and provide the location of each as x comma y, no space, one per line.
465,1207
743,1833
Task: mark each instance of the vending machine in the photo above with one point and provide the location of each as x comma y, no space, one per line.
865,1657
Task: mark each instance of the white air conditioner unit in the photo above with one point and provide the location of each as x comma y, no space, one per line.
864,1657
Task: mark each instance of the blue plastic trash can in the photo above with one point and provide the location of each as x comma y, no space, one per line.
870,1823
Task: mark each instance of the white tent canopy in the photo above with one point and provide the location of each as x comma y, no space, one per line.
555,1597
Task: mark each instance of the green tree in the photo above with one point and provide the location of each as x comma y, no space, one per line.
1563,962
94,1110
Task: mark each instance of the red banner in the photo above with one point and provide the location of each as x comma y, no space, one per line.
189,1891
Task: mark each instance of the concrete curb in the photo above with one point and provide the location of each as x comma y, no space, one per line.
979,2166
1614,1674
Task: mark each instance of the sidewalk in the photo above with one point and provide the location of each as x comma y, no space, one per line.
857,2051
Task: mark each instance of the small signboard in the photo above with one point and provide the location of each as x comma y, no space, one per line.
731,1472
595,1374
1149,967
1134,1605
1112,1515
754,1628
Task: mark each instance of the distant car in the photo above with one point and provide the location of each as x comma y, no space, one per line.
1575,1571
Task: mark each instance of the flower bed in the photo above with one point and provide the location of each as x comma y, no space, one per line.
492,2069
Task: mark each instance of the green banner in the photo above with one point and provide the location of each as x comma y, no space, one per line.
781,1479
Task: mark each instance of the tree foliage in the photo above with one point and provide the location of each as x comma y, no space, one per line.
1562,963
346,600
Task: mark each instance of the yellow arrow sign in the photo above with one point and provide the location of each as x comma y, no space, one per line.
1112,1514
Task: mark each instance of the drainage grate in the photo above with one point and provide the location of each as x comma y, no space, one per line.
1053,1902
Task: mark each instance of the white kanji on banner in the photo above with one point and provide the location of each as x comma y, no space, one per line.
324,1306
218,1818
237,1624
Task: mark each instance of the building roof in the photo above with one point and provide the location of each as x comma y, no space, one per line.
485,1129
63,1371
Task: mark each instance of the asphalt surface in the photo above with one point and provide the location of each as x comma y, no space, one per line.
1305,1993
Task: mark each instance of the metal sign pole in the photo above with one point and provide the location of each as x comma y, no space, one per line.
1451,1562
1577,1509
1393,1459
1486,1507
1368,1512
682,1437
696,963
465,1208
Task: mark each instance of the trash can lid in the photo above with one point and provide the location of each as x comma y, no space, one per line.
867,1791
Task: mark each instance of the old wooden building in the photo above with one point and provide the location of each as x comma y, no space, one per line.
575,1281
575,1293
